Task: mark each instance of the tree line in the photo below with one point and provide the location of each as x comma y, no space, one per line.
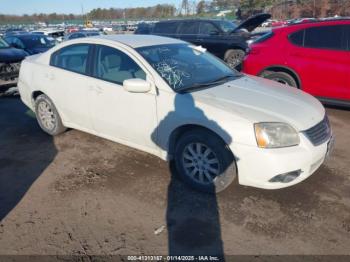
278,8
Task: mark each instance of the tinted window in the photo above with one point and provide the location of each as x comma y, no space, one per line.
77,35
207,28
165,28
187,28
115,66
37,41
297,38
329,37
72,58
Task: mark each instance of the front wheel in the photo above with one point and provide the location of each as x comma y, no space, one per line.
234,58
204,161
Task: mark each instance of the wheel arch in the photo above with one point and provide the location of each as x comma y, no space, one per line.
35,94
180,130
285,69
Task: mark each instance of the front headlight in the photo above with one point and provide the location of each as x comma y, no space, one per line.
273,135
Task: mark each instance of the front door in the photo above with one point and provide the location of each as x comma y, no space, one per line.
129,118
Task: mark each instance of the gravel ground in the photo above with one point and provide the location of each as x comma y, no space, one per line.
83,195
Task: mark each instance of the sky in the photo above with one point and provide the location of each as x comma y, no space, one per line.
19,7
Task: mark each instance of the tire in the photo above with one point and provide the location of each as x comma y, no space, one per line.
283,78
221,158
47,116
234,58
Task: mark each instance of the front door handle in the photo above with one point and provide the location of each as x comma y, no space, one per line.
96,89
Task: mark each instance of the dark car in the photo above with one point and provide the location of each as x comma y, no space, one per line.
10,61
81,34
31,43
222,38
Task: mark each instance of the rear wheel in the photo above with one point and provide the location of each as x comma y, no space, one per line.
204,161
234,58
283,78
47,116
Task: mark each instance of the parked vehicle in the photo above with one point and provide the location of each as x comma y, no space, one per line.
312,56
222,38
31,43
81,34
57,34
10,61
177,101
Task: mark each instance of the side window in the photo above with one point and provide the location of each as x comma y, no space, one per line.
327,37
297,38
189,28
115,66
72,58
165,28
207,28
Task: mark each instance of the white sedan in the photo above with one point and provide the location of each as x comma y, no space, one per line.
176,101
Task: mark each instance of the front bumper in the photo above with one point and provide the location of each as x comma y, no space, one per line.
257,166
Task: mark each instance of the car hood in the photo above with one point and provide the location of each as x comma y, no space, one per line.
11,55
252,22
261,100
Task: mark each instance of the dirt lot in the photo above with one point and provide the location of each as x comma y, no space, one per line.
80,194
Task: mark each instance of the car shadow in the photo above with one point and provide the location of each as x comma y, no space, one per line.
192,217
25,152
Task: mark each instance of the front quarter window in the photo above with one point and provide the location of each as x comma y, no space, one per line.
184,66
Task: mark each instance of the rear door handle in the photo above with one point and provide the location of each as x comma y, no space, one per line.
50,76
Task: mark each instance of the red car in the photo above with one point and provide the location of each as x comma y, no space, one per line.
312,56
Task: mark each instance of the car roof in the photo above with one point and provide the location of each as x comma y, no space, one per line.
192,20
136,41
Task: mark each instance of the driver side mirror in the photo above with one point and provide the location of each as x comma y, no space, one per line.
136,85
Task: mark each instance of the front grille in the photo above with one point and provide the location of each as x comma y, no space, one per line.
9,70
319,133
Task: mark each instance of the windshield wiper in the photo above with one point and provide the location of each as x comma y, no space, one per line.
215,82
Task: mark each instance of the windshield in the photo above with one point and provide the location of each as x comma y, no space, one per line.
3,44
184,66
38,41
226,26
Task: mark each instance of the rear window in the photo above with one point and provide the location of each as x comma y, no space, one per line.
165,28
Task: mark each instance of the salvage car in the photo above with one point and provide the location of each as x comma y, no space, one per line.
222,38
10,61
312,56
31,43
175,100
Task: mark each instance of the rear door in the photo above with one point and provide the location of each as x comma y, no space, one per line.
319,55
188,31
68,82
